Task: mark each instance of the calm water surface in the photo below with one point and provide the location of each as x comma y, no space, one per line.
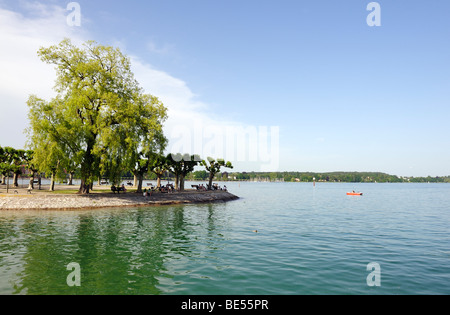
309,241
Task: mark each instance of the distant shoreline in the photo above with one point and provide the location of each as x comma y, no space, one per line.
67,202
334,177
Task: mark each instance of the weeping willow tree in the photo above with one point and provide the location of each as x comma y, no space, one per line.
100,117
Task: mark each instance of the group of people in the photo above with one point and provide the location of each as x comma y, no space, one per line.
201,187
169,189
148,193
214,187
217,187
120,188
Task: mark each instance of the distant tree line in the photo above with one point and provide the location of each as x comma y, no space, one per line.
345,177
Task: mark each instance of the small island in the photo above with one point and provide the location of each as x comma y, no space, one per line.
100,128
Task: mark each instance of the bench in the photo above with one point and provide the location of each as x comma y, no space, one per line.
118,189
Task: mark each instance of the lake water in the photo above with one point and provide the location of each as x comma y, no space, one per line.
309,241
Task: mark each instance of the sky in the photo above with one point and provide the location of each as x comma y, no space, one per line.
269,85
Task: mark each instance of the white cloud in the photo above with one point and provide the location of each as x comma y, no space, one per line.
22,73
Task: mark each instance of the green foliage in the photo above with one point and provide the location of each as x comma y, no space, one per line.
213,167
181,165
100,117
7,155
200,175
158,166
14,161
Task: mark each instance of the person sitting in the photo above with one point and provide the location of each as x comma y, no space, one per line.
163,189
118,189
123,188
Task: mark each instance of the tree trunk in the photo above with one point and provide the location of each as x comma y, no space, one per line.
52,183
181,182
84,188
140,178
31,183
158,180
211,178
135,180
177,177
15,180
71,178
86,167
3,180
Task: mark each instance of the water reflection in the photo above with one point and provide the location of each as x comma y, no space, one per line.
133,251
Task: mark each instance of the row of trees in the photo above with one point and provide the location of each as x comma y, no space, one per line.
180,165
12,162
15,162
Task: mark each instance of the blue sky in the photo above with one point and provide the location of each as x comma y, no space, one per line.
345,96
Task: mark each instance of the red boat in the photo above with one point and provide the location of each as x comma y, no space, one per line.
354,194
